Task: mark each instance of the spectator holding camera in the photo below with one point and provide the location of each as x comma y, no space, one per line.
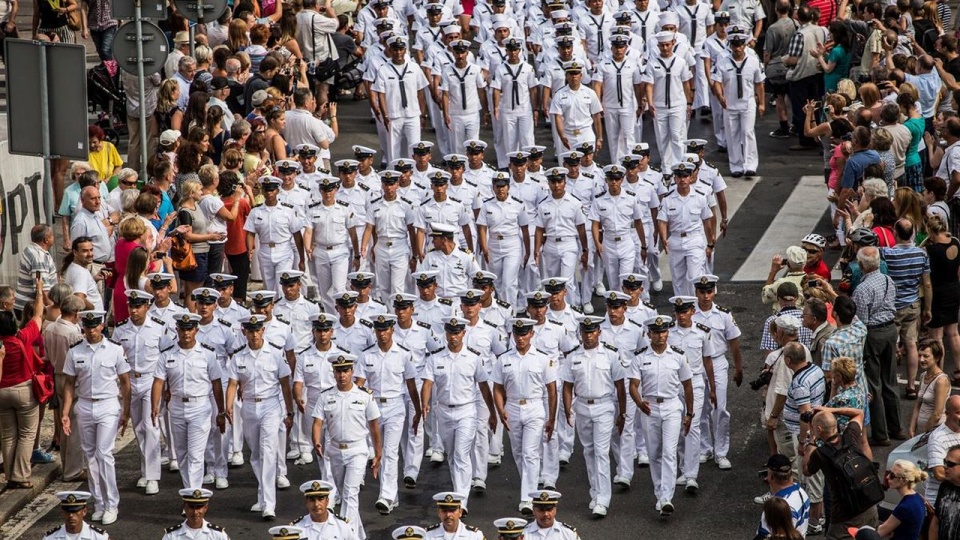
787,295
778,386
793,264
806,392
779,476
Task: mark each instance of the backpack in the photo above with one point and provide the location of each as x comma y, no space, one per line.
862,488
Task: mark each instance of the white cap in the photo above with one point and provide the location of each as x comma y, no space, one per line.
170,136
665,36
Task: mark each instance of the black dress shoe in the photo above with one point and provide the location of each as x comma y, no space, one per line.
880,442
722,149
736,174
750,173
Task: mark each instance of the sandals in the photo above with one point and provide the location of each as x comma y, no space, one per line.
19,485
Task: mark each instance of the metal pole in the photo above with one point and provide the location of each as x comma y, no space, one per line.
45,134
141,92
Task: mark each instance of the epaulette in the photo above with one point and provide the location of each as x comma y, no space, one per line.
602,193
572,350
224,322
485,201
611,347
703,327
571,527
558,323
298,518
489,323
455,199
516,199
421,186
655,169
677,349
640,350
311,300
324,392
425,325
445,301
649,305
175,527
474,184
98,530
53,530
630,193
503,304
402,347
474,351
725,310
635,322
542,200
365,389
123,322
363,186
288,205
275,346
574,308
281,320
673,324
115,342
305,349
433,527
578,199
238,349
341,203
366,323
588,175
214,527
165,350
404,199
426,201
314,205
375,200
471,528
207,347
338,516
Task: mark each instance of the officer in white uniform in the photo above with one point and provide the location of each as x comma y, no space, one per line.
696,23
190,371
523,377
409,533
575,110
595,372
616,225
73,510
362,283
504,251
163,307
391,218
285,532
464,97
320,523
648,186
669,97
453,265
441,208
450,512
196,502
714,48
141,337
230,311
515,106
456,374
93,367
694,339
389,372
351,333
618,81
429,307
260,370
510,528
545,525
290,192
659,372
685,228
561,229
725,335
738,84
399,99
227,309
331,240
349,414
279,230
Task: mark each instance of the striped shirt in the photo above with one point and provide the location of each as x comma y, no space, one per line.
767,342
799,503
906,266
806,388
874,298
847,341
33,259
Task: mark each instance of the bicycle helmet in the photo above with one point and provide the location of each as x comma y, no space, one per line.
864,237
815,239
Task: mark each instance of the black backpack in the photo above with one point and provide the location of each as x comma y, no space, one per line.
862,488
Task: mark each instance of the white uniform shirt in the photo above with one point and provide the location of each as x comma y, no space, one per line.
448,212
524,376
593,372
559,218
695,342
667,76
297,197
559,531
221,337
552,338
259,371
167,313
232,313
87,532
694,22
397,82
279,332
419,339
684,214
628,338
369,309
96,368
386,373
619,80
744,13
330,224
455,376
646,22
275,225
577,107
334,528
314,371
724,327
596,31
454,270
390,218
297,313
355,338
188,372
661,375
463,86
141,344
616,215
433,313
553,76
738,79
503,219
346,415
464,532
514,82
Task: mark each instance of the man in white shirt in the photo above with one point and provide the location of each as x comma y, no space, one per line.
399,100
669,98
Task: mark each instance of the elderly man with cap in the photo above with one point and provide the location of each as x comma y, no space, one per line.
575,110
786,329
502,228
450,512
73,510
330,240
453,265
685,226
463,97
399,100
389,372
792,266
618,81
595,373
515,101
694,339
260,370
441,208
616,225
93,368
738,85
196,502
787,296
320,522
391,219
349,413
545,525
659,377
189,371
141,337
525,395
669,96
725,336
561,224
279,229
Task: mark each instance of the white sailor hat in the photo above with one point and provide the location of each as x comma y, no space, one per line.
451,29
263,298
422,147
449,499
195,495
409,532
92,318
361,152
658,323
136,297
665,36
290,277
307,150
317,488
286,532
669,18
288,165
205,295
442,229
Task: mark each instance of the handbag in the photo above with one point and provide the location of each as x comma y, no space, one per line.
327,68
73,20
42,382
181,252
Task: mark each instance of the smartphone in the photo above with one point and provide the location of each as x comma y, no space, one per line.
159,255
812,283
37,274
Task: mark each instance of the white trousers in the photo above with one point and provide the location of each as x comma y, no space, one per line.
401,133
261,425
550,464
330,269
664,426
701,89
688,260
715,421
690,444
506,256
148,435
619,256
218,444
190,427
526,433
641,423
439,127
670,127
624,445
98,422
412,444
621,129
560,259
595,424
719,125
391,266
393,414
463,127
516,131
348,467
742,139
458,429
273,262
481,442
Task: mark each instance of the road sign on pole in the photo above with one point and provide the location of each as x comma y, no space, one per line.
150,9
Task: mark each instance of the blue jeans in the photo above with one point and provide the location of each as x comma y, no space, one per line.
103,40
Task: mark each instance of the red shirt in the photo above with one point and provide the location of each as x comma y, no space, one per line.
819,268
236,236
18,368
828,11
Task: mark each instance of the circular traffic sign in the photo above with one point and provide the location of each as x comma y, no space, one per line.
154,48
201,11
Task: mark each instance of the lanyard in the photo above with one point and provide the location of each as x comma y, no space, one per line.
643,24
599,26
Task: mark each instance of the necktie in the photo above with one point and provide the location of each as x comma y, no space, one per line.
619,83
667,77
463,86
599,26
643,25
693,23
739,76
515,94
403,87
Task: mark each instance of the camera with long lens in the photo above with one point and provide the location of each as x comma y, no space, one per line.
762,380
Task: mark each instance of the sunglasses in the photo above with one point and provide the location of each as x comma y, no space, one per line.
812,251
128,184
947,464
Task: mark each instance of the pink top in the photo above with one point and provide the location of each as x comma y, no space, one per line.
833,182
122,253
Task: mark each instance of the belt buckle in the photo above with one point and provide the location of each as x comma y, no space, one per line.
522,401
557,239
575,132
591,401
499,237
617,238
185,399
272,244
382,400
389,244
343,446
660,400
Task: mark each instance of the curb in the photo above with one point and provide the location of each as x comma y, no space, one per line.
14,500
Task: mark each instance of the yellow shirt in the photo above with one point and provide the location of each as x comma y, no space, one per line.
106,160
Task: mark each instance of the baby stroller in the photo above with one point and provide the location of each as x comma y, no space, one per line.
106,98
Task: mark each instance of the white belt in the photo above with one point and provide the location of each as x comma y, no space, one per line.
96,400
527,401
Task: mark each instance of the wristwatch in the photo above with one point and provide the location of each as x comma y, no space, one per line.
689,415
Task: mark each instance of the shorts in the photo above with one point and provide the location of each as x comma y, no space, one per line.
198,274
908,322
776,88
815,487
